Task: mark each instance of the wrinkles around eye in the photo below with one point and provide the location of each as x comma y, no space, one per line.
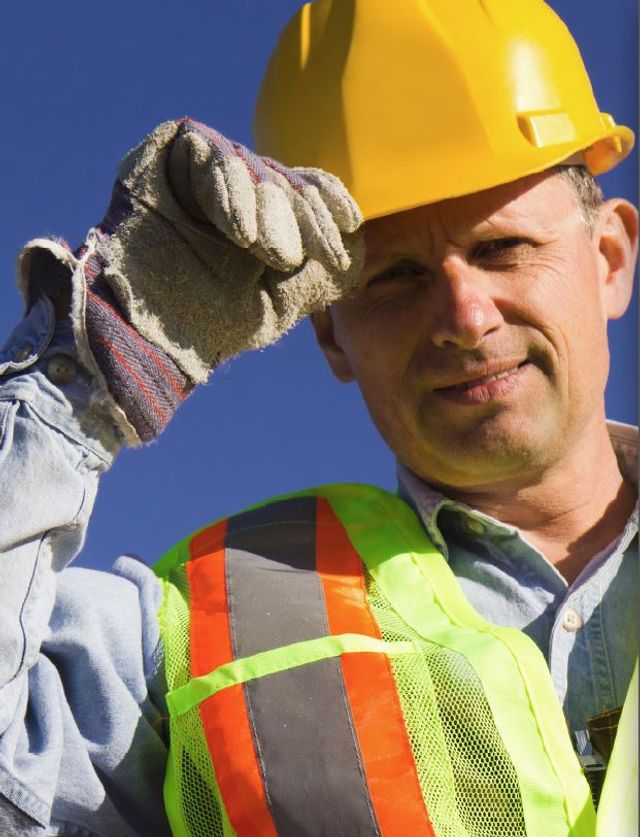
405,269
503,251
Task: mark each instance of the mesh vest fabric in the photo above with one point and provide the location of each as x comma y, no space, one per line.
191,795
485,734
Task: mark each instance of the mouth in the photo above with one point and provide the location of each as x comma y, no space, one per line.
484,388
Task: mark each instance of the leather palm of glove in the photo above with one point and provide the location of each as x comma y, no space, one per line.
206,250
213,250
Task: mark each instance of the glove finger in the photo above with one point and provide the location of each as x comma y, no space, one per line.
309,220
182,169
320,236
278,241
267,224
339,202
213,185
226,194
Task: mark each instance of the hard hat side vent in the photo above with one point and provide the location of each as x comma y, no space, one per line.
546,128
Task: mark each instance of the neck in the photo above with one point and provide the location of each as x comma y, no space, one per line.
571,512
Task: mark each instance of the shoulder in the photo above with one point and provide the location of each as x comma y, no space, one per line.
290,518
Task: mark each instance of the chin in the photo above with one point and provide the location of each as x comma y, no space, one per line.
483,455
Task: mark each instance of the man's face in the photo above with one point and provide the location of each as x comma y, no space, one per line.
477,333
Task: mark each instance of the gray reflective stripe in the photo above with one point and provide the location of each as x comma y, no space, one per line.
275,596
311,766
301,722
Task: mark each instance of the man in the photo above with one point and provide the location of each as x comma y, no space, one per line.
298,665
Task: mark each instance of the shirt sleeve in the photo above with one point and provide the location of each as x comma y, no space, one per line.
81,693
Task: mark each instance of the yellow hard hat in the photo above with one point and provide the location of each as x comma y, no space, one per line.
413,101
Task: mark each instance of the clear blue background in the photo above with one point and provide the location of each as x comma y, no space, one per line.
82,83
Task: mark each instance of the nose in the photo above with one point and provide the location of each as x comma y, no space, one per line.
464,310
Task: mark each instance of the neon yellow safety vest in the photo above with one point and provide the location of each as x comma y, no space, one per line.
327,676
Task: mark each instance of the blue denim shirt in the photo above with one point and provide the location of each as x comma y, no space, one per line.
82,737
588,631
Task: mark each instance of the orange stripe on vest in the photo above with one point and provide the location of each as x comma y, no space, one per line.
371,690
224,716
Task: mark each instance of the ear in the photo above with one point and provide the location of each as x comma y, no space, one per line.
616,235
324,327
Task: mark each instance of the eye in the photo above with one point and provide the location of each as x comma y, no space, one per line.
505,250
405,269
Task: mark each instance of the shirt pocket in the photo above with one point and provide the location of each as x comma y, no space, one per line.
29,339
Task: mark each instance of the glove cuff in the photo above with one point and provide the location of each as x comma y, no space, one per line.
137,383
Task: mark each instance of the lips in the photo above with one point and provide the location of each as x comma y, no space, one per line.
469,387
486,379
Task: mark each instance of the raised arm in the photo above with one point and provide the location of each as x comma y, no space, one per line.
206,250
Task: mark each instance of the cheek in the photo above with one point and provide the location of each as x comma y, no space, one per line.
565,306
378,341
561,296
380,348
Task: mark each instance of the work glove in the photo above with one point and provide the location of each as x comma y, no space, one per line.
217,250
206,250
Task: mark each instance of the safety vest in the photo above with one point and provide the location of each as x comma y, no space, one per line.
326,676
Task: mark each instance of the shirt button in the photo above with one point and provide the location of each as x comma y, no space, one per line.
571,620
476,526
61,369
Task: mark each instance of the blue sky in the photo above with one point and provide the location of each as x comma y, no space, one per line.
82,83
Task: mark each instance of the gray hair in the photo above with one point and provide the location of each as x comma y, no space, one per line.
586,189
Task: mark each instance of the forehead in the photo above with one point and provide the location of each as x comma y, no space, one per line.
538,205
